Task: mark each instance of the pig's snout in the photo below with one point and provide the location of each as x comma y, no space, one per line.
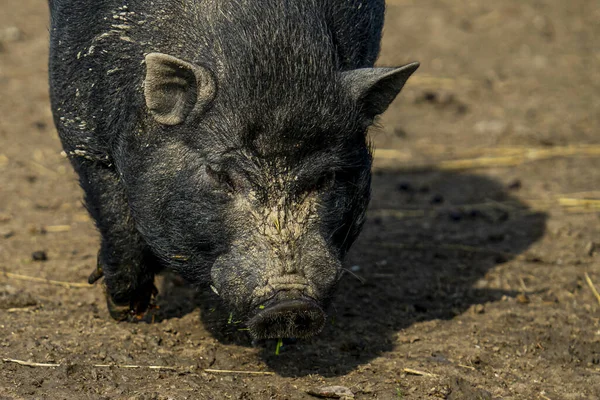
287,315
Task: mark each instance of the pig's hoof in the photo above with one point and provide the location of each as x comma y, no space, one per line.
143,302
97,274
137,308
118,312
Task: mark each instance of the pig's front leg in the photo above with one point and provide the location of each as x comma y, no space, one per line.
124,259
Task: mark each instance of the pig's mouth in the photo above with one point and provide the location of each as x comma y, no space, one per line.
288,314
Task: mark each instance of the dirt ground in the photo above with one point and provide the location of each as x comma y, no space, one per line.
468,281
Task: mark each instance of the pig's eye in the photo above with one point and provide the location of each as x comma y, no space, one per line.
325,181
221,178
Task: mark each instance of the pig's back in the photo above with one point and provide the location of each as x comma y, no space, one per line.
97,51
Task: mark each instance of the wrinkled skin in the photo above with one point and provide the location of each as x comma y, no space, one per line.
224,140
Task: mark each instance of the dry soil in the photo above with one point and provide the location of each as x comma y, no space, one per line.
468,281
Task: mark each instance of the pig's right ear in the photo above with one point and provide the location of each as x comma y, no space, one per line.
174,88
374,89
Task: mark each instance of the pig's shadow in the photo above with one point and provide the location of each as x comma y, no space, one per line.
430,237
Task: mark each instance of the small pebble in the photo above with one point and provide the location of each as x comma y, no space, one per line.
474,213
430,97
550,298
41,125
514,185
455,215
399,132
523,299
39,256
476,360
404,187
462,109
437,199
332,392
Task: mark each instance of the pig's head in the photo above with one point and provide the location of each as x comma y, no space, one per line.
257,186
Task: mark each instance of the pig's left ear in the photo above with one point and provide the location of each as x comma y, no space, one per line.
174,88
375,88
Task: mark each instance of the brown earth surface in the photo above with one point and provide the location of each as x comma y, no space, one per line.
468,282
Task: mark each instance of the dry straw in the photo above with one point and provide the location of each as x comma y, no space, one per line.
494,157
133,366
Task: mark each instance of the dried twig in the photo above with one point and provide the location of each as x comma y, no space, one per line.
20,309
67,285
466,366
523,286
480,162
392,154
503,157
571,202
57,228
591,285
417,372
127,366
133,366
579,205
228,371
29,363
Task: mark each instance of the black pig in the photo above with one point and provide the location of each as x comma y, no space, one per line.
225,140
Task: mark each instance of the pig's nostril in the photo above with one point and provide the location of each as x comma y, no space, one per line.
297,318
